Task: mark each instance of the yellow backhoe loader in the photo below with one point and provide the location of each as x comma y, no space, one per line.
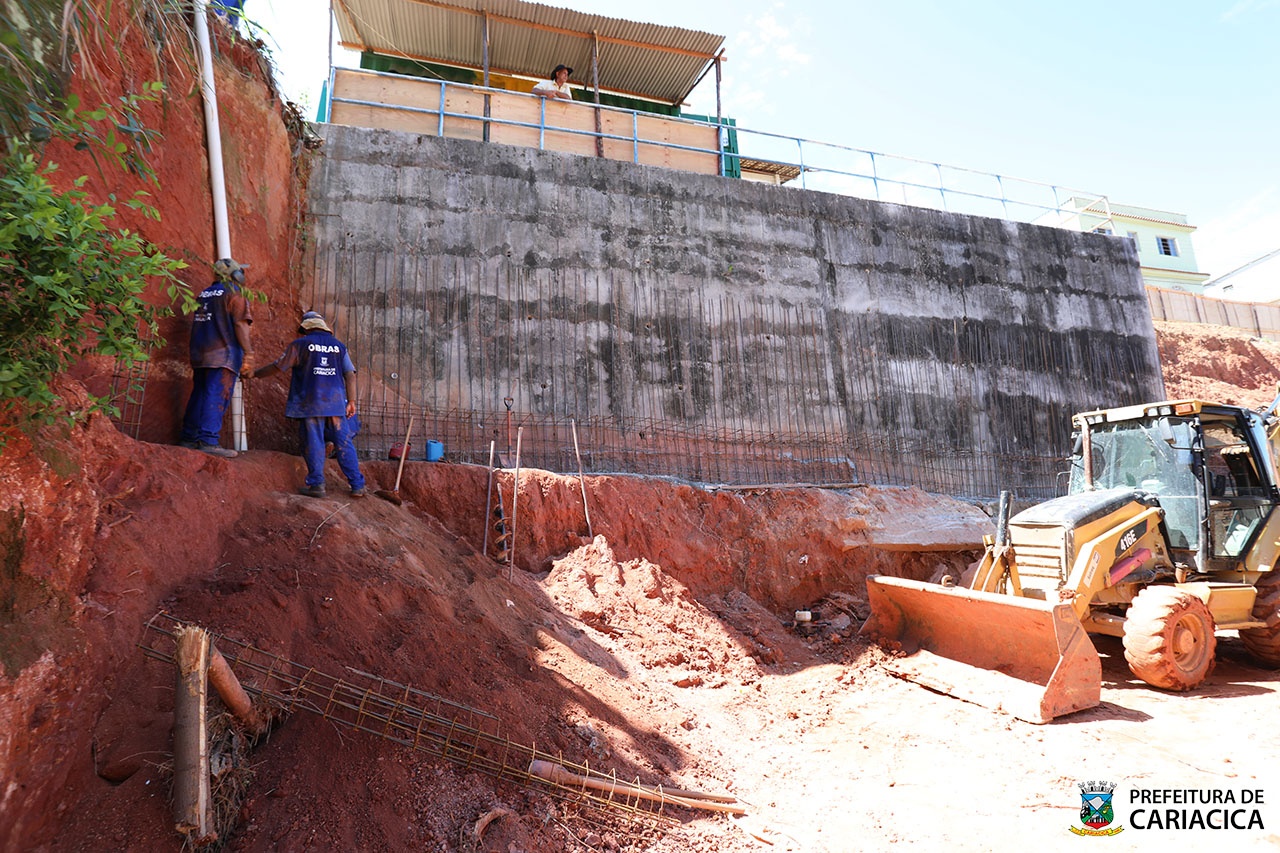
1168,533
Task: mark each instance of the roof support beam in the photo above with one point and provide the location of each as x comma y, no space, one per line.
715,60
595,82
454,63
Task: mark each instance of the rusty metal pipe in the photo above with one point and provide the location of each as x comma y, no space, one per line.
232,694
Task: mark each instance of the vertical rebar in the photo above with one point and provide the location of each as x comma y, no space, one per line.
515,506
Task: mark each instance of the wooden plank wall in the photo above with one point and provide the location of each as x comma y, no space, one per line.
511,106
1179,306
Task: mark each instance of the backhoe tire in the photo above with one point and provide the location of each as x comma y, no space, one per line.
1168,638
1263,644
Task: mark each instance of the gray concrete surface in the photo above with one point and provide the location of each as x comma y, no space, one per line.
927,347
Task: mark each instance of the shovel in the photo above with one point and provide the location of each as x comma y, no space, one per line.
394,494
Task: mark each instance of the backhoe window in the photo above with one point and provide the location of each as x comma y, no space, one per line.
1232,470
1153,455
1238,501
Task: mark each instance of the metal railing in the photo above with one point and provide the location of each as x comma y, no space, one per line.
822,166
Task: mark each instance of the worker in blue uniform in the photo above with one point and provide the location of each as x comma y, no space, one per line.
322,393
220,350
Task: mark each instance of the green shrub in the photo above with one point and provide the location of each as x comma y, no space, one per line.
71,284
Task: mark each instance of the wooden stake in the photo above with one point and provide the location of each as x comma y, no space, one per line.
581,483
515,506
488,502
191,806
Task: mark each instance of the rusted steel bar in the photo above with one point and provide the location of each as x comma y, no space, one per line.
553,772
383,708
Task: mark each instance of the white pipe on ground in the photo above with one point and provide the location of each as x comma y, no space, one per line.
217,186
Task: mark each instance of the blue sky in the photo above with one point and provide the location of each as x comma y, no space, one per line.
1171,105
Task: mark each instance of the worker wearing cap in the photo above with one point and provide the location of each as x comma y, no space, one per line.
322,392
557,86
220,349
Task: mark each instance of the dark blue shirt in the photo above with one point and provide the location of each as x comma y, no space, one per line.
316,387
213,334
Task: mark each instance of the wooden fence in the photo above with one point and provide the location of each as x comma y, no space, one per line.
1182,307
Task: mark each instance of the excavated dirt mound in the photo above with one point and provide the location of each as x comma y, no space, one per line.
1218,364
587,650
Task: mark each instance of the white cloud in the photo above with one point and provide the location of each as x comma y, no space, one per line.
1245,7
778,44
1249,230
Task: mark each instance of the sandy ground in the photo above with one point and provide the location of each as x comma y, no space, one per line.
835,754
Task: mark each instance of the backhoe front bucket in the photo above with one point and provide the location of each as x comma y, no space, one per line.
1027,657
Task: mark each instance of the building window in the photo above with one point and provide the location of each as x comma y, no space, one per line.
1133,237
1167,246
1102,230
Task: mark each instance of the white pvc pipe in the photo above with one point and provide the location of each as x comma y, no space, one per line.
217,186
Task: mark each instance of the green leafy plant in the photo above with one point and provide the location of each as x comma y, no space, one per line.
112,132
71,284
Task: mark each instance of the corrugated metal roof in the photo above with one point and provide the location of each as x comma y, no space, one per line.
658,62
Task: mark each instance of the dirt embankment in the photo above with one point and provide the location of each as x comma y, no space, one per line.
1217,364
661,649
100,531
265,183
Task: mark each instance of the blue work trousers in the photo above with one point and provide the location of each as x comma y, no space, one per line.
211,389
314,432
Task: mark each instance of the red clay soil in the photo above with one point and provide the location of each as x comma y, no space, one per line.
663,649
580,653
1217,364
263,196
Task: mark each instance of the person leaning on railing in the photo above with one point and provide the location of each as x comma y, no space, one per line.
557,86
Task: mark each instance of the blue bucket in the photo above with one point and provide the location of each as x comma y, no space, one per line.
435,451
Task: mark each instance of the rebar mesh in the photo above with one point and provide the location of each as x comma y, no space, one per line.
129,386
417,719
710,382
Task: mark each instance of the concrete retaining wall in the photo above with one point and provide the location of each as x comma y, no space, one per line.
744,331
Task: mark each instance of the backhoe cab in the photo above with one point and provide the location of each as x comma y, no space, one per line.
1168,533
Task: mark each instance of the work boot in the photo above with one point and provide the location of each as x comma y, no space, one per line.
360,492
215,450
312,491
